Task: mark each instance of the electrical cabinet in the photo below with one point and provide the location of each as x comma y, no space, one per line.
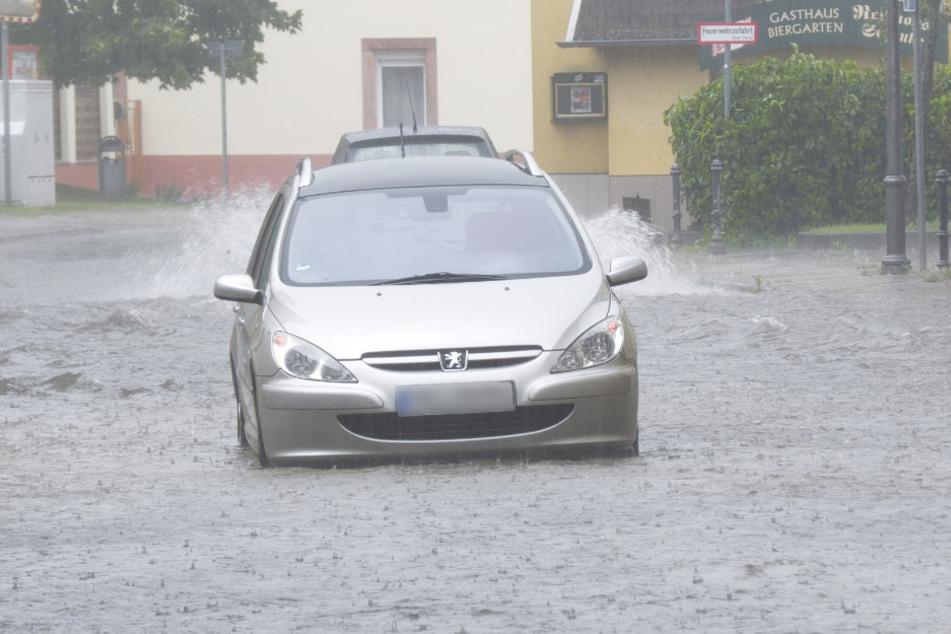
32,162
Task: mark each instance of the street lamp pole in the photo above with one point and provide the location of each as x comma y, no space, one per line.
912,5
895,260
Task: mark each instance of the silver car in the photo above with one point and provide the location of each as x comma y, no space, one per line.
407,142
426,307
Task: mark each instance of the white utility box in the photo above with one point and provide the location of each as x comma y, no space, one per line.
33,164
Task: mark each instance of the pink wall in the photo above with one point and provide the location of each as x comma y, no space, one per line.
84,175
194,176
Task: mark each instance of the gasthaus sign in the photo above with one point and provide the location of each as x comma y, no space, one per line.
784,23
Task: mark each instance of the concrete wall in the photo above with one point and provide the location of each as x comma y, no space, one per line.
593,194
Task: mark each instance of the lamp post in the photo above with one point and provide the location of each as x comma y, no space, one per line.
895,261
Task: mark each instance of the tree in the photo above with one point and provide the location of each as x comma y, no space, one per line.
804,147
165,40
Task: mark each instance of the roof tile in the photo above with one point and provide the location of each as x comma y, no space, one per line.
633,20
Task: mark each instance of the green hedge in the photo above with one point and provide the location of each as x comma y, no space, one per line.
805,146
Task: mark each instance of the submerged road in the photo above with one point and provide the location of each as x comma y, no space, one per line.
795,470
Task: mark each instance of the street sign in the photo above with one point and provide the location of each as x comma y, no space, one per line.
727,33
910,6
229,48
19,10
224,49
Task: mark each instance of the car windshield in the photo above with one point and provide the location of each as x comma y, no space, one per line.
414,147
430,235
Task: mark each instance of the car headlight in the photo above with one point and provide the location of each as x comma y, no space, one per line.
599,345
306,361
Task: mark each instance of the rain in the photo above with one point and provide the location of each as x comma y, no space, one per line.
794,415
792,474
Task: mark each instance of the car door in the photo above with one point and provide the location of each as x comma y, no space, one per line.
248,326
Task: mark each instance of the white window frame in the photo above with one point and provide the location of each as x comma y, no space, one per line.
398,50
400,59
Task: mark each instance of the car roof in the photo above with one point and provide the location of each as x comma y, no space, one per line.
422,171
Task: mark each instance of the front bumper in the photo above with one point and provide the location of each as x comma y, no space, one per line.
305,420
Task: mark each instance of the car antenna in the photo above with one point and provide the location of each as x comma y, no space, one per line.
412,110
402,147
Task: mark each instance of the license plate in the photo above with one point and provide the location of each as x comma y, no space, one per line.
455,398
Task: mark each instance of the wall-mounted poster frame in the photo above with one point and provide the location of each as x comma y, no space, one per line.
579,96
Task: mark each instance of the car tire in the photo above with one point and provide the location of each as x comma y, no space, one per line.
242,437
637,443
262,454
241,418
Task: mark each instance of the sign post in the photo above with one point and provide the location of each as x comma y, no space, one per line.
223,49
727,34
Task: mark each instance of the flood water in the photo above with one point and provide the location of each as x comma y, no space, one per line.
794,477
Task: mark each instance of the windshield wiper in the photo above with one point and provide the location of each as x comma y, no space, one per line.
441,278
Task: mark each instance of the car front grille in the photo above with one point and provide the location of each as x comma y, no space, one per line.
390,426
428,360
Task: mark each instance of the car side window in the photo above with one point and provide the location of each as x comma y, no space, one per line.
264,244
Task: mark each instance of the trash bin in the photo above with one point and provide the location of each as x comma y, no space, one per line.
111,166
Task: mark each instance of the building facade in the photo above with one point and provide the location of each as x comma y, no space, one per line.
582,83
465,62
646,55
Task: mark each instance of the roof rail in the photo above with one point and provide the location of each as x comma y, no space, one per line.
305,171
523,160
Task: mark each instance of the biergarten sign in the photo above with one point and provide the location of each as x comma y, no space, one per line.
785,23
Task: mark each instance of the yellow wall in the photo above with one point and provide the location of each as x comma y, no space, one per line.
643,83
578,147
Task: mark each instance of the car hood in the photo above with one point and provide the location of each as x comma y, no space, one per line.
349,321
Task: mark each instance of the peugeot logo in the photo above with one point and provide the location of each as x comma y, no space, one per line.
453,360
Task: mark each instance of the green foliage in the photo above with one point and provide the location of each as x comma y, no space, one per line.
164,40
939,118
168,192
805,145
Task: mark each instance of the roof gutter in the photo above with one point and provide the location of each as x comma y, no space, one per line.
616,43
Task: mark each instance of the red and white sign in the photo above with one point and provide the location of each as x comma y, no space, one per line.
24,62
19,10
727,33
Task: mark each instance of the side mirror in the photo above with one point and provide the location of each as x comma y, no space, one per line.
238,288
625,270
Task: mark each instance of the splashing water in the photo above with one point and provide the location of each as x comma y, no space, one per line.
215,239
618,233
